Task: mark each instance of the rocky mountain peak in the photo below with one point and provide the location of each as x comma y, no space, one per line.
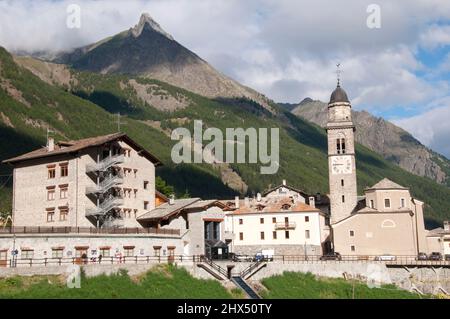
146,21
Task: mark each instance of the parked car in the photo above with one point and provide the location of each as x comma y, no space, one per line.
385,257
331,256
265,255
435,256
238,258
422,256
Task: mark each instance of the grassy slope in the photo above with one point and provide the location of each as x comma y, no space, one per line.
303,157
293,285
161,282
303,148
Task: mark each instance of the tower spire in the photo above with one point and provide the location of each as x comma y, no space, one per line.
338,74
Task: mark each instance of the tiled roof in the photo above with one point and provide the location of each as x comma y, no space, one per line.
267,205
387,184
168,209
67,147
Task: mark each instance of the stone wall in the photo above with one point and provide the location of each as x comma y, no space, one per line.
251,250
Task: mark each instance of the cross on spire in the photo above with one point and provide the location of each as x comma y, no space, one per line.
338,73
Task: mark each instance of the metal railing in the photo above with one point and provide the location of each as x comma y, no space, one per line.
250,268
105,185
213,265
285,225
106,163
86,230
105,206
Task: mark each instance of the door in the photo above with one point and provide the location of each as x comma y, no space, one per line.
171,257
3,258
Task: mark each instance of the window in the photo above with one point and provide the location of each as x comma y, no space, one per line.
81,252
64,169
261,220
241,221
286,234
27,253
157,251
306,219
51,193
50,215
51,172
145,184
307,234
63,190
387,203
343,198
63,212
241,236
402,202
342,182
352,248
57,252
274,235
286,220
105,251
352,233
128,251
372,204
274,220
285,206
135,193
135,173
340,145
145,205
262,235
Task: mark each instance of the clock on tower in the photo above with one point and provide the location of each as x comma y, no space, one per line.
341,156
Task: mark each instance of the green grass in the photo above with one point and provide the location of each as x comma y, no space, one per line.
161,282
292,285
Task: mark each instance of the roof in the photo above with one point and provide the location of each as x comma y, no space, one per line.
166,210
272,206
387,184
338,95
69,147
286,186
438,232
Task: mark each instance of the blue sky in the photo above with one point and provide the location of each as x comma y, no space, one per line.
286,49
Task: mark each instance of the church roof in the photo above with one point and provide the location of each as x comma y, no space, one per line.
339,95
386,183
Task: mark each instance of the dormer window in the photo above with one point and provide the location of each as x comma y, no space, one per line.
285,207
387,203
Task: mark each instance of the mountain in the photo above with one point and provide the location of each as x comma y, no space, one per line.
392,142
147,50
37,95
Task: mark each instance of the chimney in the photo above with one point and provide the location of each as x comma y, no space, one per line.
50,144
447,225
284,182
236,202
312,202
258,197
172,199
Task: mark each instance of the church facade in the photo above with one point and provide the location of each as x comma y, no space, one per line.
386,220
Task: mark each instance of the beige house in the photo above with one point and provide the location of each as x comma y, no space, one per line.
439,240
101,181
280,220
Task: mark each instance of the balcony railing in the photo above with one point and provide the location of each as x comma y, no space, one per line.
86,230
105,185
285,225
105,163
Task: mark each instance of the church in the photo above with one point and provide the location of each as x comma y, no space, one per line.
386,220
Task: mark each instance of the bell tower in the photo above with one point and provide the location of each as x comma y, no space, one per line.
341,156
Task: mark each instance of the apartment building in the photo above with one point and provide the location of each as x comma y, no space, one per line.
102,181
280,220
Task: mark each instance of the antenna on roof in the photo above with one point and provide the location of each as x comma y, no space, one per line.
338,73
119,122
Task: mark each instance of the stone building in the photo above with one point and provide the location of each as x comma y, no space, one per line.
386,220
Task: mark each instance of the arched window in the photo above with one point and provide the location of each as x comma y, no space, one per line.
388,223
340,145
